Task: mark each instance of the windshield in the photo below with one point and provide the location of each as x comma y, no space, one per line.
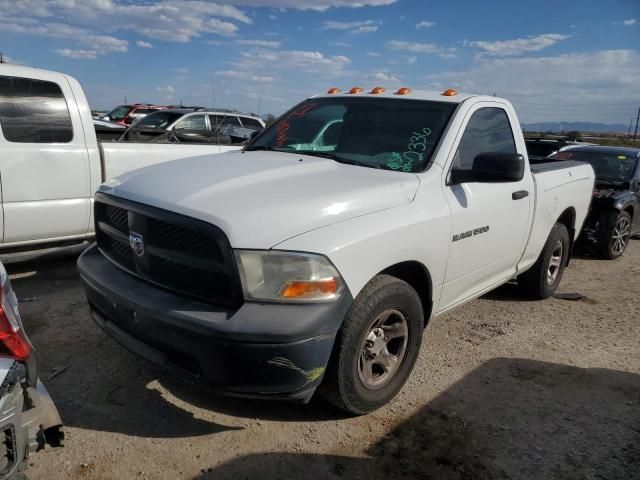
608,166
118,113
157,119
370,132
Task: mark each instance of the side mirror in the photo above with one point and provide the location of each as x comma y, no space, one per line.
491,168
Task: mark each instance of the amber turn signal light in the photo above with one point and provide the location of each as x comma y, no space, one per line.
378,90
355,90
450,92
403,91
320,288
333,90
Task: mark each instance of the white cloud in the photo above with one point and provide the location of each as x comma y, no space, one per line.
261,61
518,46
382,77
629,22
547,92
78,54
423,25
319,5
168,89
90,45
364,26
246,76
421,48
260,43
373,54
166,20
411,60
143,44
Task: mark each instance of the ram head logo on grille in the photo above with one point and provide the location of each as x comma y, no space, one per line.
137,243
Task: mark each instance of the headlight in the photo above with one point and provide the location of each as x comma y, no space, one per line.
287,276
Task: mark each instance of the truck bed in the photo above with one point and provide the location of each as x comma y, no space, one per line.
122,157
558,185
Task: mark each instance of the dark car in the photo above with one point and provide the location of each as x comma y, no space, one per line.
539,148
127,114
194,125
614,216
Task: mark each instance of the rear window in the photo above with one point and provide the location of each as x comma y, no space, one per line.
251,123
33,111
609,166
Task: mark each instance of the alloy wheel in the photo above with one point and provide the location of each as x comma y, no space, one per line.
383,348
620,237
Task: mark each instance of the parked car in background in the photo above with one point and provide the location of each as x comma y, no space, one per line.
538,148
127,114
305,262
195,125
29,420
614,216
51,162
106,130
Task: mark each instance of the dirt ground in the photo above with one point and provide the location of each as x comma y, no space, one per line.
503,388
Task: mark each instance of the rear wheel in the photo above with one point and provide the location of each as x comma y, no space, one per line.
376,347
542,279
615,231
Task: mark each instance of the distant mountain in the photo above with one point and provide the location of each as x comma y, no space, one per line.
579,126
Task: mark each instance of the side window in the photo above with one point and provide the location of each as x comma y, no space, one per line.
251,123
222,122
488,131
331,135
192,122
33,111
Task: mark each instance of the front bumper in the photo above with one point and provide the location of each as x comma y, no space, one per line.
259,350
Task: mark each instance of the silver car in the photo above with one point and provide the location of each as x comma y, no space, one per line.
28,417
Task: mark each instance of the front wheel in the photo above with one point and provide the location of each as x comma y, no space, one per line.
376,347
615,231
542,279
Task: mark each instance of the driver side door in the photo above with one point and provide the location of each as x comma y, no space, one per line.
193,129
490,221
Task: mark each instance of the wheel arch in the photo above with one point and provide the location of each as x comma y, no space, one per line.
568,219
417,275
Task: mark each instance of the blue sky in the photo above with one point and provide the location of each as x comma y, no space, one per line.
555,60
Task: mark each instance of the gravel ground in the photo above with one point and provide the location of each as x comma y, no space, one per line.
503,388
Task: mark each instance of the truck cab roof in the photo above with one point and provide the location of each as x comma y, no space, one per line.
430,95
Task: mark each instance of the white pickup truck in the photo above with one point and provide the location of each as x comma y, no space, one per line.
51,162
316,256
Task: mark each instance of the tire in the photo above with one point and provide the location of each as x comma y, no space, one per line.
614,234
360,386
542,279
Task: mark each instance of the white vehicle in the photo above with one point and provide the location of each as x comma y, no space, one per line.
51,162
309,261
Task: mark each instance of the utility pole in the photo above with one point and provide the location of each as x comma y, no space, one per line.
635,133
2,58
629,131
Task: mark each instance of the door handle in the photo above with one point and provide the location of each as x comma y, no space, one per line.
519,194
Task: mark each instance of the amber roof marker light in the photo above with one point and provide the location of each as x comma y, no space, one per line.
378,90
333,91
450,92
403,91
356,90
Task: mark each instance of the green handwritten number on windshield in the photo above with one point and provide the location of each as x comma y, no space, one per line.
418,143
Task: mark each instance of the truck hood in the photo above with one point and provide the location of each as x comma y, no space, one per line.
260,199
